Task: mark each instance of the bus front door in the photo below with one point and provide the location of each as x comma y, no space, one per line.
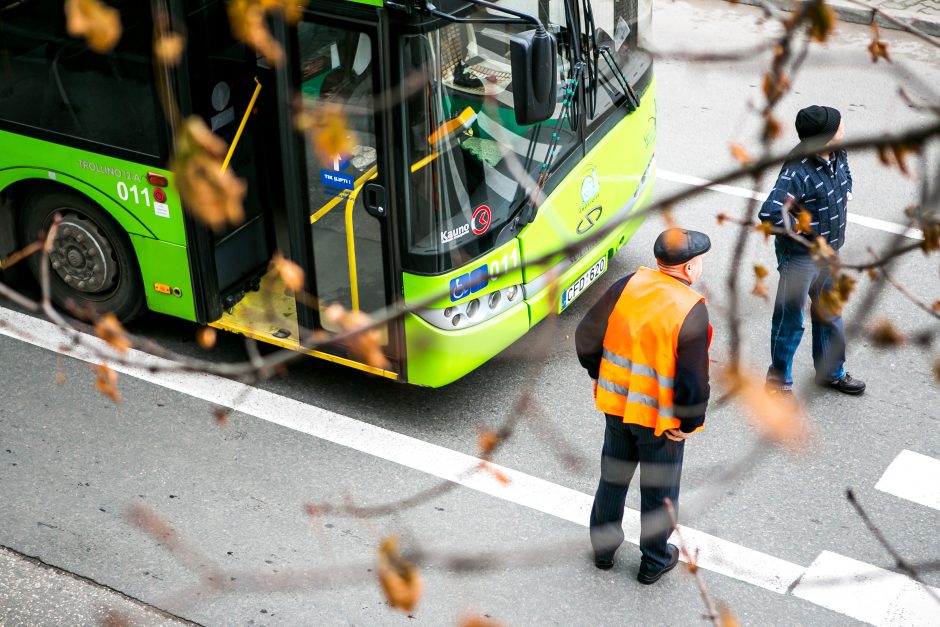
346,172
234,94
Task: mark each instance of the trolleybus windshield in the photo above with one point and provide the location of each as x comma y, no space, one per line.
461,130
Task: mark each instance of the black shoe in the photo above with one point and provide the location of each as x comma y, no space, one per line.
846,385
647,577
604,563
775,387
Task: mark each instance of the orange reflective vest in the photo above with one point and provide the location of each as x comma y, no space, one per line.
638,366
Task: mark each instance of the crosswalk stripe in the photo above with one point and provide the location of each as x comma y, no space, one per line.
914,477
867,593
714,554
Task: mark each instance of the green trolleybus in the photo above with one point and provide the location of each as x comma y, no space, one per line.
487,136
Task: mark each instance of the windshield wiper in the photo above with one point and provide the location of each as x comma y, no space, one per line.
625,85
529,209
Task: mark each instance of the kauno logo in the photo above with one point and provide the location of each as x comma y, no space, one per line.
455,234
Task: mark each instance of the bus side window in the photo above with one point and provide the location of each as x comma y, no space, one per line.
55,83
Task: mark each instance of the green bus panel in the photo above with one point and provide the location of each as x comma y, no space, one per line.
120,187
164,265
504,261
437,357
610,177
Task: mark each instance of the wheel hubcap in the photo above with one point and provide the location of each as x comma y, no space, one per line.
81,256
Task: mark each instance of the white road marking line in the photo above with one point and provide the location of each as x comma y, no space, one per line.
872,223
871,594
715,554
914,477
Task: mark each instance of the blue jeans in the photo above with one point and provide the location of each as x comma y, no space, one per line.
660,461
800,278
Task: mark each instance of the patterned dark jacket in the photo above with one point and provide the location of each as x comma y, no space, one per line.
821,187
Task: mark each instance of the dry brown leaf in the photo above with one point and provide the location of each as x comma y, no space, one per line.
497,474
822,20
772,128
329,132
741,154
821,252
168,48
290,272
896,155
98,23
114,618
760,286
722,217
365,345
726,617
885,335
247,21
488,441
400,579
829,305
766,228
214,197
478,621
844,285
878,47
206,337
936,370
803,222
936,306
931,236
780,418
109,329
221,415
775,85
106,382
873,274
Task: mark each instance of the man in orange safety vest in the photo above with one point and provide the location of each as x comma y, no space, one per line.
645,346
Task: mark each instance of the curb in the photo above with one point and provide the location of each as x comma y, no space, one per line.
857,15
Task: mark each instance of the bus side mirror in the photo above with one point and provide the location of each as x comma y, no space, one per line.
534,59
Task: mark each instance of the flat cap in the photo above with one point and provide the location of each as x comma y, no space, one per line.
675,246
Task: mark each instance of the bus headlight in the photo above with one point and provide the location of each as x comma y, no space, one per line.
473,311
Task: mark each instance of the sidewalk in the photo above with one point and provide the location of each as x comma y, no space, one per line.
923,15
33,593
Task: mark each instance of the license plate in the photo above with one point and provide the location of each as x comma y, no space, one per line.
581,283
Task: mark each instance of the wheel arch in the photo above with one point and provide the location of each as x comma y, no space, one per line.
14,192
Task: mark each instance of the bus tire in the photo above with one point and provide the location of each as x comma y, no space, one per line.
93,266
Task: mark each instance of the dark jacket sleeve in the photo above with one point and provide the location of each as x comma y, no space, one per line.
786,194
691,389
589,338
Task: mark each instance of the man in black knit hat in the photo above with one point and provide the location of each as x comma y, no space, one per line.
821,185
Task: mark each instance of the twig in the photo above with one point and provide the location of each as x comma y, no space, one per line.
712,615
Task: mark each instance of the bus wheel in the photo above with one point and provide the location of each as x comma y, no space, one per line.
93,264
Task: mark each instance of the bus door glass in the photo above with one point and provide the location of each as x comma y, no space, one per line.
345,173
230,90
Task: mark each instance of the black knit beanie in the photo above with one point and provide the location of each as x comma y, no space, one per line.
817,122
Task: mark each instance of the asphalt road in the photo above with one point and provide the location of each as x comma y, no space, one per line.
72,463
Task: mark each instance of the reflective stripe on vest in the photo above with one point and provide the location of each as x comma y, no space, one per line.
638,365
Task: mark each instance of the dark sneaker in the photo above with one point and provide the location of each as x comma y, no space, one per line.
775,387
648,577
604,563
846,385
